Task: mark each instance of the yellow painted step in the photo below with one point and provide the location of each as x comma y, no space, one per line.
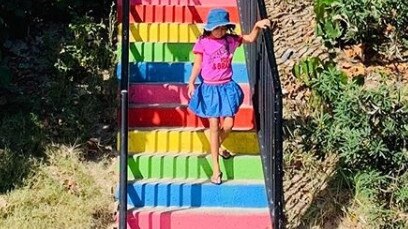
188,141
165,32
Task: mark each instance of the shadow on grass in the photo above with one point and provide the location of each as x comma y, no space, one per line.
326,208
20,141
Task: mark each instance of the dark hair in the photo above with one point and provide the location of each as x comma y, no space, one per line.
229,27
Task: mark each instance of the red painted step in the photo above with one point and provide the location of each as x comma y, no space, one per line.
145,93
173,13
213,3
174,115
210,218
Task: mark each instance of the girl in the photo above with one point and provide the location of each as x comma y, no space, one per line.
218,96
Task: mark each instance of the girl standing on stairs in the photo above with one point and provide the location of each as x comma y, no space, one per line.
218,96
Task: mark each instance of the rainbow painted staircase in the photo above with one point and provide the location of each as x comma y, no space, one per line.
169,167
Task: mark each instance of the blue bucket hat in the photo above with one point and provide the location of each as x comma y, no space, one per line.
217,18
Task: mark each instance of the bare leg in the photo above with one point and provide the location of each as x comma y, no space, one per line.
214,146
226,128
224,132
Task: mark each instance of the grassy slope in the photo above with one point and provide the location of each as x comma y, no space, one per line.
64,193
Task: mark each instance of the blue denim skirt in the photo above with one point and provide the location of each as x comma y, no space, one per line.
216,100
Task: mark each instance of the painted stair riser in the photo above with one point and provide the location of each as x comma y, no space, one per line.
142,166
143,93
181,116
214,3
168,52
188,141
173,13
210,219
141,194
165,32
172,72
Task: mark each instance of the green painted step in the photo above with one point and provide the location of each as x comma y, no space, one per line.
168,52
183,166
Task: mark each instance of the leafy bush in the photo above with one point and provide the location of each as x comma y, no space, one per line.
88,51
368,127
51,95
378,24
82,92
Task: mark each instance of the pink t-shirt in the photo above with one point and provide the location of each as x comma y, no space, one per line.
217,57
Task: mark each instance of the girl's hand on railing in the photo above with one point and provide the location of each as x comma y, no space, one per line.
190,90
263,24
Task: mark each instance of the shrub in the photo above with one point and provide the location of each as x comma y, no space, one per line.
367,127
381,25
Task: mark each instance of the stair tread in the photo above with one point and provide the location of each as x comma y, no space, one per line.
186,129
191,181
147,154
172,105
221,210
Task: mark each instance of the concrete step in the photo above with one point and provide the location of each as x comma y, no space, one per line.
188,140
151,93
165,32
174,13
199,218
196,193
190,166
172,72
168,52
176,115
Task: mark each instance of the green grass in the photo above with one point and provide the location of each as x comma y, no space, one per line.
63,192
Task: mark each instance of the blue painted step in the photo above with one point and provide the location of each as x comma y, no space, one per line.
198,193
178,72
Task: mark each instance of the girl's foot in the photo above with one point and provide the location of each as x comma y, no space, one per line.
217,180
225,153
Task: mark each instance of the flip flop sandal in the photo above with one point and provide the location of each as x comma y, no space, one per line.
225,154
217,180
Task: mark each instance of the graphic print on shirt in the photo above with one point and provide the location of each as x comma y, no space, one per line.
221,58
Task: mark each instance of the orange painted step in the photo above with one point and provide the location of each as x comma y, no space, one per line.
173,13
176,115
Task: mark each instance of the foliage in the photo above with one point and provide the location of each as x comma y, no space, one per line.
368,127
379,24
56,86
17,17
82,90
313,72
88,51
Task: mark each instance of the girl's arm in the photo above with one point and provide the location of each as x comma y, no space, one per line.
198,59
262,24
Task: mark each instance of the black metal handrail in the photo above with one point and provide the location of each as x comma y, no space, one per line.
267,100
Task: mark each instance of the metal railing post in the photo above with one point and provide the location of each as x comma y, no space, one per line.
124,88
